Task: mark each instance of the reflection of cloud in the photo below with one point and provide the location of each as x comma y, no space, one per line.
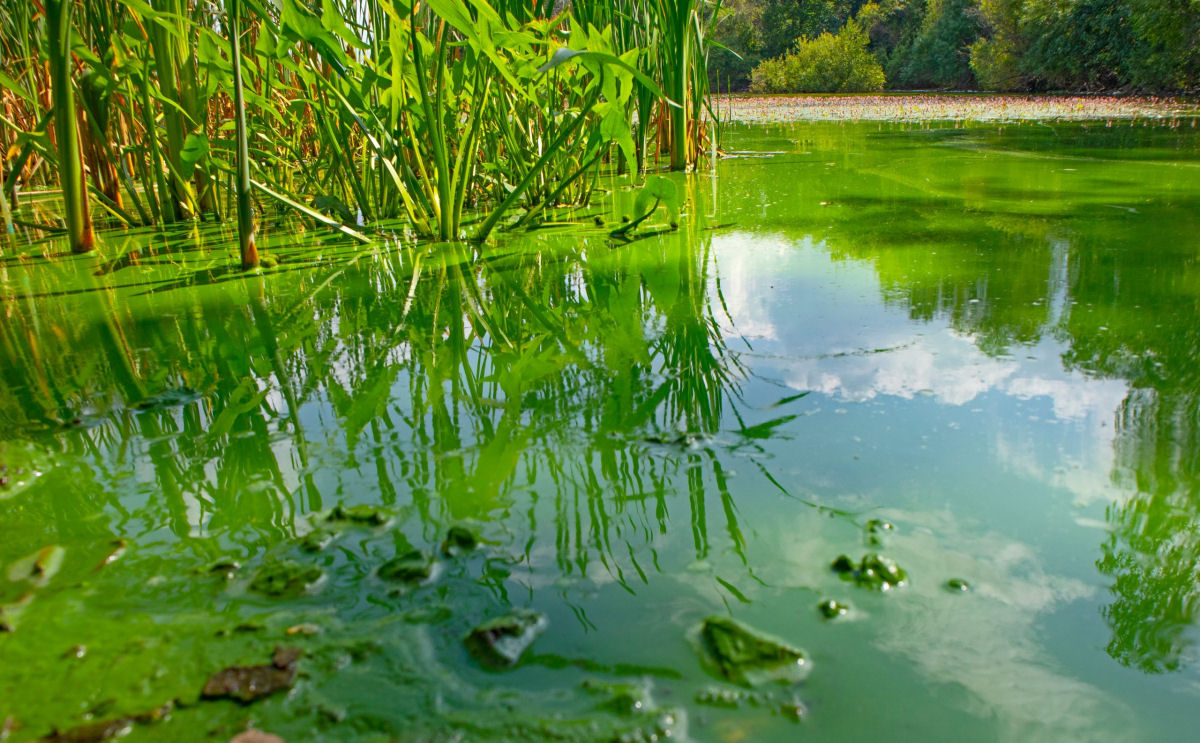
987,642
806,306
1074,396
747,291
947,366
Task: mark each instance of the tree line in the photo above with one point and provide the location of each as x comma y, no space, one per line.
1000,45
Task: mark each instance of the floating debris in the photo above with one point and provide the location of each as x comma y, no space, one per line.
873,571
794,709
746,656
501,642
285,579
249,683
97,732
76,651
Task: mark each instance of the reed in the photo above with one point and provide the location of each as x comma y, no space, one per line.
443,119
66,131
245,214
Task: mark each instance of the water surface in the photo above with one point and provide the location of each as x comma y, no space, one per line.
985,336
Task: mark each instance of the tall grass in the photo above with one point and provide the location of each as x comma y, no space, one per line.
446,119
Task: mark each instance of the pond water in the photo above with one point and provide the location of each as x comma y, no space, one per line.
984,337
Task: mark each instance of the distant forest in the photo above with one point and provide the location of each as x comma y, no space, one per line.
1002,45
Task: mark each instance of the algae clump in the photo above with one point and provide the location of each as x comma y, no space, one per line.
873,571
285,579
501,642
746,656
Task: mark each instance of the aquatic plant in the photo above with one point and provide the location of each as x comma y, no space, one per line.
446,119
245,216
75,210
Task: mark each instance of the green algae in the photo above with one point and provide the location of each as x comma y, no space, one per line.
596,412
957,585
21,464
285,579
873,571
746,656
459,540
501,641
831,609
413,567
364,514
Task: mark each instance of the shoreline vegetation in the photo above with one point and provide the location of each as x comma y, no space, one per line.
979,107
446,120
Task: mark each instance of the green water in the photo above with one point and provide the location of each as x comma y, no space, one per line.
985,337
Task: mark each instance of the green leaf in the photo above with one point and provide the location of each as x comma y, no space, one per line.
9,84
332,19
312,213
562,55
195,148
299,24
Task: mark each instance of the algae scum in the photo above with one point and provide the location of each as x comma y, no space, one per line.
895,438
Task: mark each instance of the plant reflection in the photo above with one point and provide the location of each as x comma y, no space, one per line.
577,381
